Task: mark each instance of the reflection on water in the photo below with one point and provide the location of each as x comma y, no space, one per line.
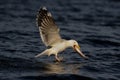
62,68
56,71
55,68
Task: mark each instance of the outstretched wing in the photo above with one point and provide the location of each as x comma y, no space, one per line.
49,31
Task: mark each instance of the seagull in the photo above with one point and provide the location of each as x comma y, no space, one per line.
50,36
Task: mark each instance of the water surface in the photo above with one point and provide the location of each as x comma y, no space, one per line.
95,24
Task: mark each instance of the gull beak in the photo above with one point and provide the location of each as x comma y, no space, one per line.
77,49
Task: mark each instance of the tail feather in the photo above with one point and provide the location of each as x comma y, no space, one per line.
46,52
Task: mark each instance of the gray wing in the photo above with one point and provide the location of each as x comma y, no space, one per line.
49,32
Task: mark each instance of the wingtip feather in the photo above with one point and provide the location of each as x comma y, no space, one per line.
44,8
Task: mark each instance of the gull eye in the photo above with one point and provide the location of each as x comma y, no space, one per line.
74,42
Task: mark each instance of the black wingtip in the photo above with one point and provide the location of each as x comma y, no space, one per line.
44,8
43,16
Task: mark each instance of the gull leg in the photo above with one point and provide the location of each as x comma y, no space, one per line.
56,57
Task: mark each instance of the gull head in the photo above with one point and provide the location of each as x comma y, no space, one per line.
74,44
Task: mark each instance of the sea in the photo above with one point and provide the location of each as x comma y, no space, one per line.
94,24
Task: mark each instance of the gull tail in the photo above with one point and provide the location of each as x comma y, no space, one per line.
46,52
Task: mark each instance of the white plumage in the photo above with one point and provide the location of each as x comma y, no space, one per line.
50,36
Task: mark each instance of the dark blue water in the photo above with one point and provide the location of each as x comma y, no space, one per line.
95,24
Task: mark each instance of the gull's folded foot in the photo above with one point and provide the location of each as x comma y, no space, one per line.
58,59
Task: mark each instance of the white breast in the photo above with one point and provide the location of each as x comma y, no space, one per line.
59,47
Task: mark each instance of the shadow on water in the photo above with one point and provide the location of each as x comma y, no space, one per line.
33,70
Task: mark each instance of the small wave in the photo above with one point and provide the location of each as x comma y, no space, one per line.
19,63
103,42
